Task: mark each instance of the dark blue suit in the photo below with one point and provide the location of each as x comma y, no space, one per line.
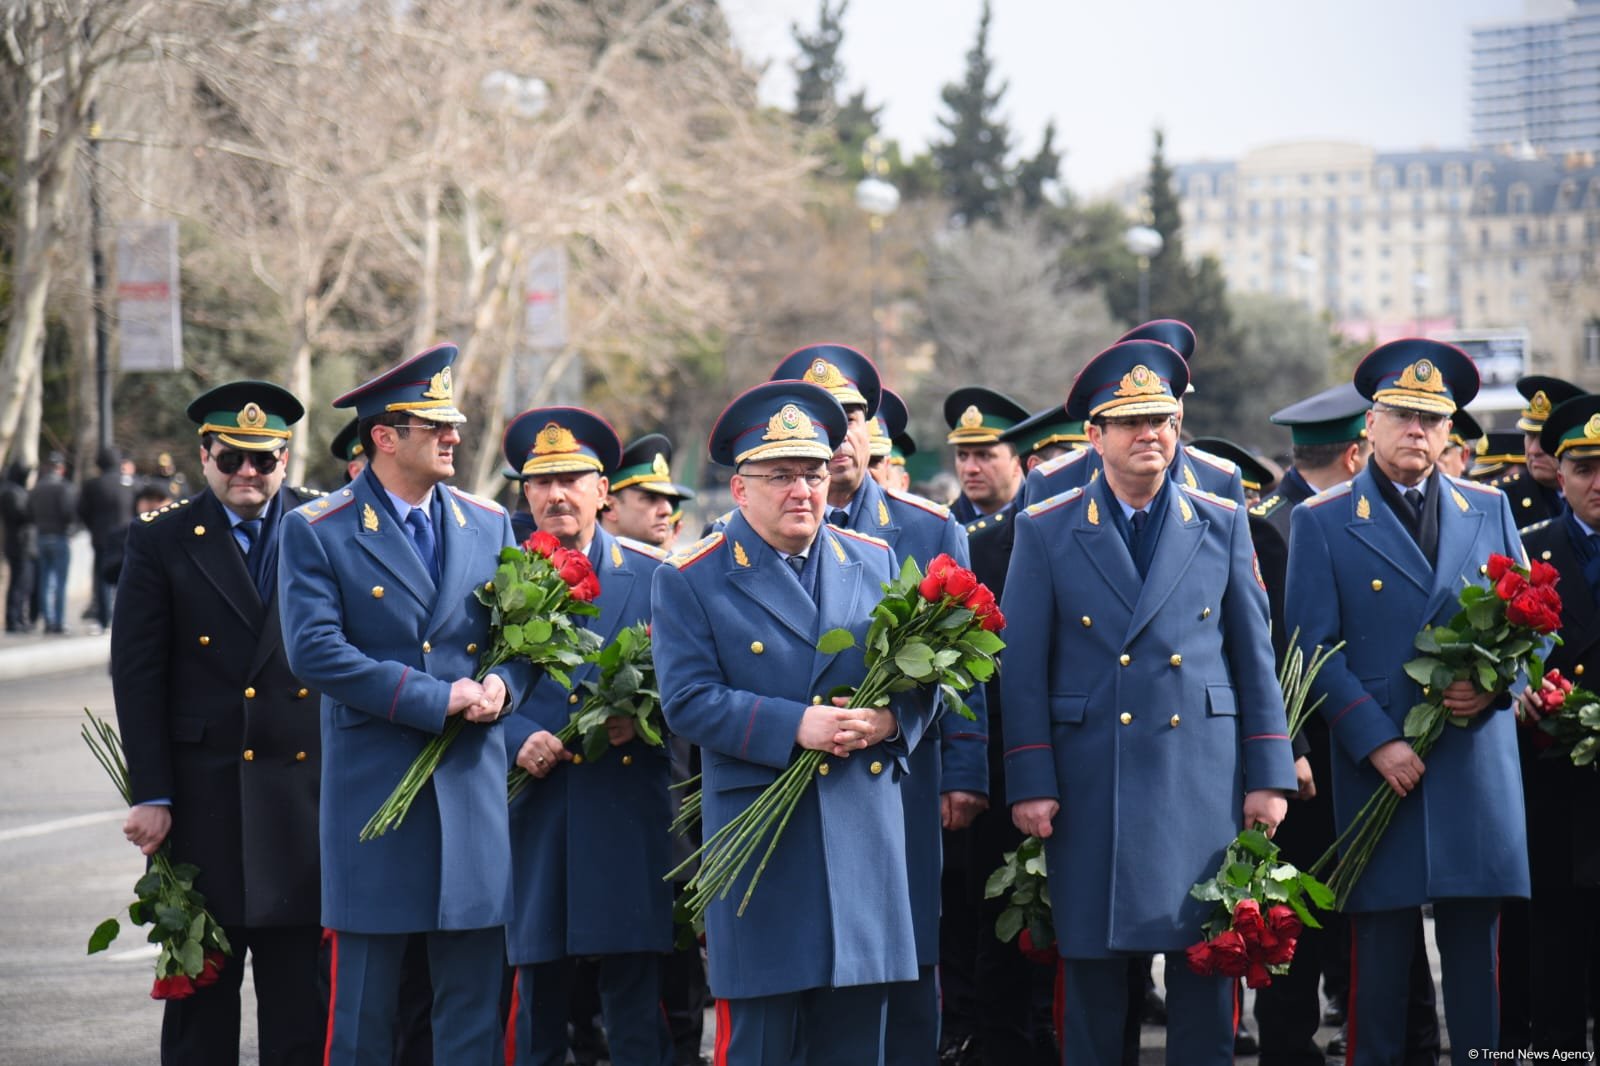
590,848
1356,575
831,922
365,623
1147,707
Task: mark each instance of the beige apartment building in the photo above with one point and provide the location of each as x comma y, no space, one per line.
1453,244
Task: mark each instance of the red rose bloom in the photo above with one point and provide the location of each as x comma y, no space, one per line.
1032,953
571,565
1275,950
932,588
587,588
960,582
1200,958
1499,566
212,969
1247,919
1542,573
1257,976
175,987
1509,584
541,543
994,622
980,601
1537,607
1283,921
1230,954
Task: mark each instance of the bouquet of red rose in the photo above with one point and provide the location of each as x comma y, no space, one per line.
1571,719
1497,636
538,592
625,688
1024,878
193,946
934,629
1261,906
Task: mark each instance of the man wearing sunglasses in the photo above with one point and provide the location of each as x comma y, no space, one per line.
380,611
222,738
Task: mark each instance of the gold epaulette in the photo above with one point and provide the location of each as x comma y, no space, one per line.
865,537
1267,506
922,503
1060,462
1341,489
1476,486
1227,466
695,552
1220,501
1535,527
650,551
477,501
164,509
1033,510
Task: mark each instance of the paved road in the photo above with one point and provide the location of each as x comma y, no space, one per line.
67,868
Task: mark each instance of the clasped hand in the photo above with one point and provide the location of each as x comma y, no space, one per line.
841,729
478,701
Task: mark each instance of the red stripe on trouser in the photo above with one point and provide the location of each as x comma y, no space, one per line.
1058,1004
333,991
511,1020
724,1034
1236,1008
1350,999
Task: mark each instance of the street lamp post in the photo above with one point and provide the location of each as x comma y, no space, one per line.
1145,244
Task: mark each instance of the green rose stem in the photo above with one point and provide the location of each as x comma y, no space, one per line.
724,856
554,598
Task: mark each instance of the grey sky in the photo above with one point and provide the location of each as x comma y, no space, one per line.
1219,77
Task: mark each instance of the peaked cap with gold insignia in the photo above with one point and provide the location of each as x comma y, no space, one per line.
847,374
253,416
978,415
1544,394
787,419
561,440
1418,375
420,386
1138,377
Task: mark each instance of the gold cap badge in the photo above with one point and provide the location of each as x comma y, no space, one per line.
553,439
252,416
790,423
971,418
439,387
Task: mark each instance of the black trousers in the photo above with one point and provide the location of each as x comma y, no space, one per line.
291,1009
21,605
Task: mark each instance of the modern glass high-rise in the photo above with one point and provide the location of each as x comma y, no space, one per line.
1536,82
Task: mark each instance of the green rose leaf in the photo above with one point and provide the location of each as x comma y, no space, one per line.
835,641
103,935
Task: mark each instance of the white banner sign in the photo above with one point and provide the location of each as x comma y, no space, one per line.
148,321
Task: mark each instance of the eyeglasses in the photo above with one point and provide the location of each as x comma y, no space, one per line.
427,427
1426,419
786,481
229,461
1140,423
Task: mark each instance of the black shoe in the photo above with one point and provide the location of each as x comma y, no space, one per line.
1244,1042
1338,1042
1154,1010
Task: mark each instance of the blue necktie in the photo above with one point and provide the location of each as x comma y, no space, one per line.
1591,565
838,516
249,531
422,539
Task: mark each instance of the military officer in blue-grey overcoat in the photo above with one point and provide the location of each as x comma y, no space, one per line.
1371,563
948,781
376,585
1144,726
589,840
802,976
1191,466
989,469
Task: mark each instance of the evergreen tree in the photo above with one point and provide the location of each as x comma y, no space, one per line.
819,74
972,160
1036,175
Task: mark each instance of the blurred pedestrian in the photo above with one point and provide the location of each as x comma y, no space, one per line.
105,507
22,549
54,503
